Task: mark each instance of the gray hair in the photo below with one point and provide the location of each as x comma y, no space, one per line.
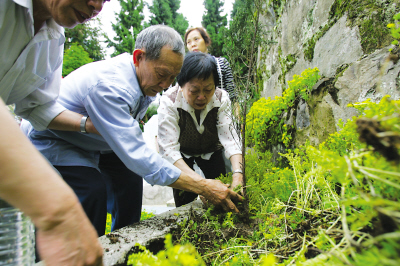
153,38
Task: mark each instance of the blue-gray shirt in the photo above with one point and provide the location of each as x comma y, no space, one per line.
109,93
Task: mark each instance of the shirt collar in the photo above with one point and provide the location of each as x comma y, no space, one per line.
25,3
28,5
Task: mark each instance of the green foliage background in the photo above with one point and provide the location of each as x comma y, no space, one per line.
129,24
166,12
215,24
86,35
74,58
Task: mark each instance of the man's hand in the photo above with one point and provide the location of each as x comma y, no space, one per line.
219,194
214,191
73,241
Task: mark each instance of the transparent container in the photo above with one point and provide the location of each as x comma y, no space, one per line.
17,237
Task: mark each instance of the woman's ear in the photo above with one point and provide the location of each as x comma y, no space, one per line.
138,55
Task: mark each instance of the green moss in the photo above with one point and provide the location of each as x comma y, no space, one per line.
277,6
374,34
370,16
287,63
322,122
340,70
310,45
260,80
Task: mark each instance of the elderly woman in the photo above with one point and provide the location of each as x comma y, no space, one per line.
194,124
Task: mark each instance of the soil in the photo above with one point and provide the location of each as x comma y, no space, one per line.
209,239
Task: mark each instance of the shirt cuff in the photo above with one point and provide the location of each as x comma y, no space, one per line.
41,116
165,176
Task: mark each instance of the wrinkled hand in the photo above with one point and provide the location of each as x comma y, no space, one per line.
219,194
71,241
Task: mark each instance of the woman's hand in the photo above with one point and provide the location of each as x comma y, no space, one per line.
214,191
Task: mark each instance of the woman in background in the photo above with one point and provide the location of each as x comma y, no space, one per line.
198,40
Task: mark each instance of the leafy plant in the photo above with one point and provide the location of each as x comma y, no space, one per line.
74,57
335,204
86,35
395,29
266,118
146,215
173,255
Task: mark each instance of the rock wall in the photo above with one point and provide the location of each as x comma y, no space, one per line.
349,44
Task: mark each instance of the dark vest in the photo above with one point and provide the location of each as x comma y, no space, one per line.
191,141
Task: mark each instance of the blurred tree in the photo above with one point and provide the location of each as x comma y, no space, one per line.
127,27
243,37
215,24
242,40
166,12
180,23
87,36
160,13
74,57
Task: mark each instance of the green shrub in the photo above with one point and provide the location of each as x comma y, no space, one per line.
395,29
146,215
178,255
74,57
265,122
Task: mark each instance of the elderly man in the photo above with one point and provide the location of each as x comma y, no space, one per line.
31,41
115,94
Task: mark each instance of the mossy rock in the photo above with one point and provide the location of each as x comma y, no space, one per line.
370,16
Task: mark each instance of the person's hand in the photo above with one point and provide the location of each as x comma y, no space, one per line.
71,240
237,181
219,194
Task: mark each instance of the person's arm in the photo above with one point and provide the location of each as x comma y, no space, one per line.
168,130
213,190
71,121
237,178
230,140
65,236
42,110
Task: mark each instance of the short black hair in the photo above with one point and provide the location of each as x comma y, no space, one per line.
197,65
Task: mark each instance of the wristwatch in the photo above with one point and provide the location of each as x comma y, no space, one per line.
237,171
83,124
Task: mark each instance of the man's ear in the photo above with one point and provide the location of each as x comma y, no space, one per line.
138,55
